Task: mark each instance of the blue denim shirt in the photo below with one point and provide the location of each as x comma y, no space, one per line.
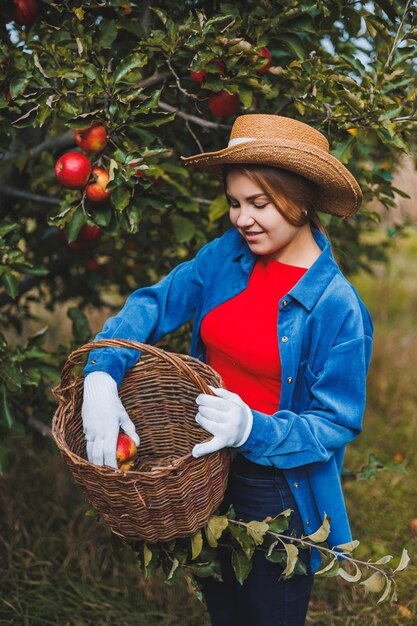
325,340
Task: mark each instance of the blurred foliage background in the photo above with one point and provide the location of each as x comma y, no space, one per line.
348,69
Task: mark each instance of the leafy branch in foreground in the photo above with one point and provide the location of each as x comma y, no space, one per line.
197,557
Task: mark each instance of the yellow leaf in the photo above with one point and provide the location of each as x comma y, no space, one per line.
405,559
196,544
374,583
215,527
79,13
351,578
350,546
257,530
292,554
147,556
386,592
321,533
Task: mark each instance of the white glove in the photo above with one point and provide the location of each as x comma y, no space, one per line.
226,417
103,414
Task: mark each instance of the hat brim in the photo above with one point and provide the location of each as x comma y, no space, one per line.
340,193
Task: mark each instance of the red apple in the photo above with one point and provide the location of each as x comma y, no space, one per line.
26,12
223,104
265,67
125,451
199,77
91,264
96,191
73,170
89,233
138,173
91,139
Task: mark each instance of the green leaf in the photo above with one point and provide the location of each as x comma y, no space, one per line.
343,152
280,522
19,83
257,530
10,283
244,540
80,327
108,33
5,407
218,208
241,565
214,528
294,44
246,96
77,222
132,62
196,544
120,198
5,228
184,228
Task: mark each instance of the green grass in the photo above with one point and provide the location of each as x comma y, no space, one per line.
59,567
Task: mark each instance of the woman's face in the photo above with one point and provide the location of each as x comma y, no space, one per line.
257,219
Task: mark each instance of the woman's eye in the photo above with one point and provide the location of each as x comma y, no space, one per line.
257,206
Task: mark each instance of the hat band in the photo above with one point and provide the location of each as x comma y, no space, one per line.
233,142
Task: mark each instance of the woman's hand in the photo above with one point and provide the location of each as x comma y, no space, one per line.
103,415
226,417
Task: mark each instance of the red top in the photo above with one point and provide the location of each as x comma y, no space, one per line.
241,335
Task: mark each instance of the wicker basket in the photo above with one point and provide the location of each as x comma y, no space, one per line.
170,494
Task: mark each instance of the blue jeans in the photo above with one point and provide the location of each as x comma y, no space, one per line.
263,600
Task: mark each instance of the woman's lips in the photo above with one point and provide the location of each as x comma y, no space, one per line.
252,236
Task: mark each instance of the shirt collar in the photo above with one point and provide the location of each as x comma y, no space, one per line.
310,287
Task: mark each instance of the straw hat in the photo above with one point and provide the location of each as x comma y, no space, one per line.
291,145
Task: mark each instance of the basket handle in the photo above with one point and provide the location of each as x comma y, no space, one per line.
171,358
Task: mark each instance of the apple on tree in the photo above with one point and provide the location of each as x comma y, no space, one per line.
265,67
26,12
223,104
73,170
96,191
90,233
92,139
200,76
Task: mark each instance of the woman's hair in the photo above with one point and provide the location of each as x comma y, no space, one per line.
291,193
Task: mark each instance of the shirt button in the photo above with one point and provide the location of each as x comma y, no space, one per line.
284,339
289,380
93,362
284,302
296,485
307,522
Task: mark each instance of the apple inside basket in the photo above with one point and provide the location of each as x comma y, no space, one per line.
167,494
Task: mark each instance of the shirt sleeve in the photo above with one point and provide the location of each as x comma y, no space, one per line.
332,419
149,313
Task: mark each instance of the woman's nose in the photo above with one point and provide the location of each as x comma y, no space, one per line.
245,219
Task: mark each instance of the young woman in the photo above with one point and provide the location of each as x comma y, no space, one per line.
289,335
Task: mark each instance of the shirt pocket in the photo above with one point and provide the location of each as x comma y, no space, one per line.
305,381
